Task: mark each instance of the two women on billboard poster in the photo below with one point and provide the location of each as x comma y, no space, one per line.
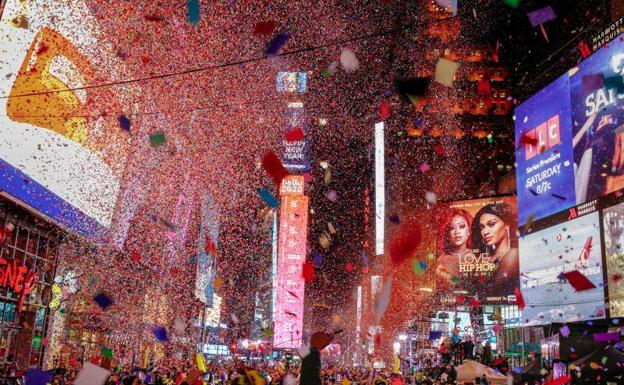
477,247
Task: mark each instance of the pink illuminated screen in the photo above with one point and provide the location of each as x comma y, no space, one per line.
288,322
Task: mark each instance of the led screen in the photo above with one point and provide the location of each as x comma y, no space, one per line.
613,224
570,137
546,255
477,248
290,285
545,169
57,153
293,82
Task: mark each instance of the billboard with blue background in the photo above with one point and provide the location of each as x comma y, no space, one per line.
545,171
570,137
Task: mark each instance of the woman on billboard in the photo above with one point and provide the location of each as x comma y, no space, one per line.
493,232
453,241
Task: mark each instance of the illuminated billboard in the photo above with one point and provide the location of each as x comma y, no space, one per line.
557,251
292,243
292,82
294,142
613,224
57,153
206,250
477,248
572,134
545,171
380,189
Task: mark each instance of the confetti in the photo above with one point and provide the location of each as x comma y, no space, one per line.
103,301
124,122
264,28
578,281
157,139
348,60
275,46
274,167
445,72
541,16
564,330
193,9
268,198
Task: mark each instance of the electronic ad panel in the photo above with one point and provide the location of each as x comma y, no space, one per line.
59,154
561,273
477,248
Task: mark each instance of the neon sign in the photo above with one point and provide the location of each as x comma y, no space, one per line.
20,279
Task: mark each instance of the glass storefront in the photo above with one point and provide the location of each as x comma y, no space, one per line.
31,243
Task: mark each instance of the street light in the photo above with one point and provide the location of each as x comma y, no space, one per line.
402,337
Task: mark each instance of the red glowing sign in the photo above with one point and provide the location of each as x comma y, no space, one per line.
543,137
288,322
20,279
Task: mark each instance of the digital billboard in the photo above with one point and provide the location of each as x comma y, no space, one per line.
57,154
206,250
545,168
557,246
613,225
290,284
294,141
572,134
477,248
292,82
597,89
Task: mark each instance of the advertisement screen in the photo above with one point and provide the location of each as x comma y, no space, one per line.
477,247
295,146
546,255
57,154
598,113
544,156
291,82
572,134
613,224
290,285
206,250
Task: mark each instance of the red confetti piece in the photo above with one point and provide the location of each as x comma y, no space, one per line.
385,110
519,299
578,281
294,135
308,271
274,167
264,28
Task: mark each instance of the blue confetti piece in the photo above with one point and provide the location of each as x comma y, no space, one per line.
124,122
277,43
364,257
39,377
160,333
193,11
317,258
268,198
103,301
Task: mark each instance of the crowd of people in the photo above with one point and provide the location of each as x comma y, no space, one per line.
426,369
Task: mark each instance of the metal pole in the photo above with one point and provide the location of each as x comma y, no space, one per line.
522,359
